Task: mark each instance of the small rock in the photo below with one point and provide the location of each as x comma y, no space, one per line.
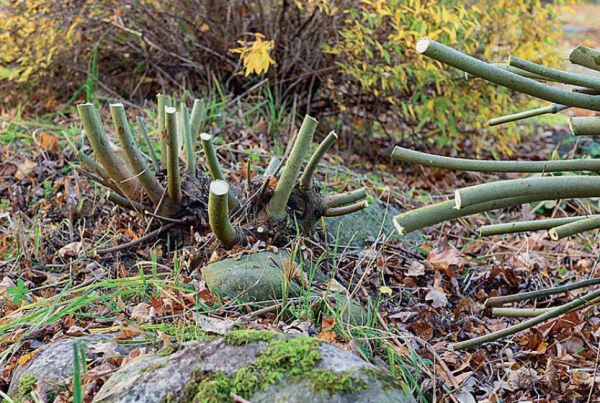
52,366
252,278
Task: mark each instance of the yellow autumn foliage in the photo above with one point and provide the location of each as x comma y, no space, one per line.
255,55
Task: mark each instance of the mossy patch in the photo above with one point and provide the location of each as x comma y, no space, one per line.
247,336
291,358
26,385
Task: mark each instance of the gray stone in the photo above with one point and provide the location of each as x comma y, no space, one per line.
52,366
252,278
167,378
354,229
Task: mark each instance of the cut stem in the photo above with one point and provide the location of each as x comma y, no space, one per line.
339,211
586,57
163,102
555,75
519,312
588,126
196,119
552,108
136,160
343,199
218,215
525,226
148,143
506,299
214,167
555,312
544,188
173,174
105,154
413,220
502,77
463,164
190,145
577,227
289,176
311,167
272,167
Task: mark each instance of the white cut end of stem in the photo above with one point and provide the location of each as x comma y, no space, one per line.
399,227
422,45
333,134
205,137
553,235
457,200
219,187
117,105
311,118
170,110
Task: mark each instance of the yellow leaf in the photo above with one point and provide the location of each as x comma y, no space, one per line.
385,290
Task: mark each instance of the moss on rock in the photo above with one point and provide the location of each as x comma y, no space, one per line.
26,385
292,358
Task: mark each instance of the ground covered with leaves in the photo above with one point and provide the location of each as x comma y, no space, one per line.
422,293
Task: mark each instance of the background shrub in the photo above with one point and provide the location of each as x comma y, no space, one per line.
336,55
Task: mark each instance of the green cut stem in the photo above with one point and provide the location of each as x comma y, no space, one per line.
507,299
136,160
504,78
339,211
552,108
585,126
343,199
577,227
148,143
555,75
106,156
463,164
544,188
289,176
87,160
525,226
413,220
519,312
555,312
218,215
522,73
586,57
190,146
272,167
196,119
173,174
214,167
311,167
163,102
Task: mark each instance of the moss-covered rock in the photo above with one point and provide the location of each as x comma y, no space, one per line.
256,365
354,229
252,278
